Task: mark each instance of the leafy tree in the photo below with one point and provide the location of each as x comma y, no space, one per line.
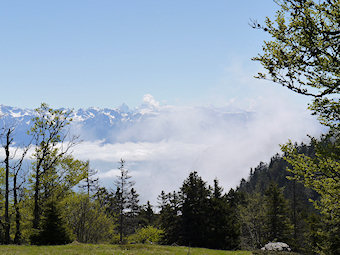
321,173
55,171
304,56
252,217
47,132
147,234
87,219
59,180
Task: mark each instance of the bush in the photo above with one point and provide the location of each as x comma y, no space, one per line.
147,234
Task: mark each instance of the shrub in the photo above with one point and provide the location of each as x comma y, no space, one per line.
147,234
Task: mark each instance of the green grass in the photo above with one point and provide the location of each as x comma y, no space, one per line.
103,249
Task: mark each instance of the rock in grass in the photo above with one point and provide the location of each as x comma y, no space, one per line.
277,246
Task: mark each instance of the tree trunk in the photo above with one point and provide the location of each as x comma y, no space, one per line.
7,221
17,237
36,212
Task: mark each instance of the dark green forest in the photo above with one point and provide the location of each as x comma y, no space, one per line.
293,198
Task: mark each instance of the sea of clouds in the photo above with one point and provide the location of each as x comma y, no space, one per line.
218,142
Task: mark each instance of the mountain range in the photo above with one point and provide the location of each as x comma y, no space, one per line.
113,125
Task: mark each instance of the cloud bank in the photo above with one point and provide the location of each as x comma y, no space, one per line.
222,142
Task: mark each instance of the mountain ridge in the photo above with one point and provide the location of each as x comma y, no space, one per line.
107,124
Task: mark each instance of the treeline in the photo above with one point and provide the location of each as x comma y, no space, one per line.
267,207
199,215
56,199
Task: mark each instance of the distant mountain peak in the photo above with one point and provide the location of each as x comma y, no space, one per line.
124,108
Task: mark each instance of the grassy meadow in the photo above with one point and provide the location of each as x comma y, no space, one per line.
103,249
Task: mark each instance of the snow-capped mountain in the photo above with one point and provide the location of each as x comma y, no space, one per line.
149,121
161,144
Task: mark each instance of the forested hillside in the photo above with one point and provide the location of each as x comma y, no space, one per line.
276,207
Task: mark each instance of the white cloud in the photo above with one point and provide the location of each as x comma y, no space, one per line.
161,150
224,142
150,101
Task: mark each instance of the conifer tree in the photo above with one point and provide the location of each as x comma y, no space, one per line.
218,219
126,198
146,215
232,224
277,219
170,217
195,208
53,228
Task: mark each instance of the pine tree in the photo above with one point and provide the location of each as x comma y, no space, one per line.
146,215
218,219
195,208
133,210
170,217
53,229
277,224
126,198
233,226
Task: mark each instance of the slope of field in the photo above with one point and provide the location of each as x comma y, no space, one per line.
102,249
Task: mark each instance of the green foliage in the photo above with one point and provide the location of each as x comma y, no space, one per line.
304,53
169,218
253,211
53,230
87,219
48,136
278,226
200,216
125,202
148,234
252,217
195,208
304,56
322,174
146,215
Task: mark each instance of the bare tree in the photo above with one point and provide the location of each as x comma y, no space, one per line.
91,181
16,167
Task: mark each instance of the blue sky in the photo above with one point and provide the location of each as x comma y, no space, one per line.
183,56
83,53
